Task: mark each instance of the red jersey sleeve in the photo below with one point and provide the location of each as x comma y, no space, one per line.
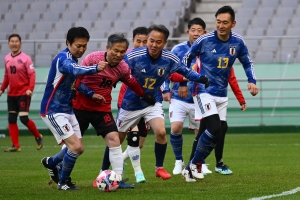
175,77
121,94
31,74
132,83
235,87
5,80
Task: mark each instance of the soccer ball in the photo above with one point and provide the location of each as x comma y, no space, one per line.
108,181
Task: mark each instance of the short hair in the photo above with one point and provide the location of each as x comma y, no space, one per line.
160,28
77,32
141,30
14,35
117,38
226,9
197,21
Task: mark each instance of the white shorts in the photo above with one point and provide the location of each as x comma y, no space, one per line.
210,105
179,110
129,119
62,126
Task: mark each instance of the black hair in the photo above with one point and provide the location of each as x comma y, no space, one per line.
197,21
142,30
77,32
226,9
14,35
117,38
160,28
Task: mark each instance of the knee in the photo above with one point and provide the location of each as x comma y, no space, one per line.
160,134
24,119
12,118
133,138
78,149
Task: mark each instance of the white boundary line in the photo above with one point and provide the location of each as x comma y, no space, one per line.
293,191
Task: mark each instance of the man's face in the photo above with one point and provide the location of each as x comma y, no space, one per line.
224,24
14,44
116,53
194,32
155,43
139,41
78,47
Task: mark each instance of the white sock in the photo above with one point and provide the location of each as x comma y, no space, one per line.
135,158
125,154
63,146
116,159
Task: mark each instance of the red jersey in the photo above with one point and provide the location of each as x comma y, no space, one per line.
102,83
19,74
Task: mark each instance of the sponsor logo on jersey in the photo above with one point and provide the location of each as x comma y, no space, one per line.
214,51
207,106
160,71
66,127
232,51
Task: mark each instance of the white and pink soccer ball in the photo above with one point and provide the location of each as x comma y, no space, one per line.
108,181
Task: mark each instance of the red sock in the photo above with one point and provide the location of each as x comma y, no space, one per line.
32,128
14,134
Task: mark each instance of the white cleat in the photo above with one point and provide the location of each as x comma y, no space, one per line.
187,175
179,166
205,169
196,170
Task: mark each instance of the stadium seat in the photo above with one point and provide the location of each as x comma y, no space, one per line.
71,16
98,34
283,21
12,17
290,44
176,5
172,15
103,25
43,26
24,26
122,25
32,16
77,5
285,12
245,13
115,5
294,22
154,4
289,3
57,35
43,60
39,35
275,31
48,48
293,31
95,5
260,22
265,12
84,23
63,25
148,14
6,27
243,23
51,16
252,3
269,44
240,31
39,6
111,15
263,57
57,6
5,6
269,3
252,45
258,31
142,22
134,4
19,7
91,15
3,35
4,49
128,14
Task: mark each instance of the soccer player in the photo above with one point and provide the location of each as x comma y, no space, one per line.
19,74
99,114
218,51
56,106
151,66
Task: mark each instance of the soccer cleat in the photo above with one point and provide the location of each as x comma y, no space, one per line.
179,165
162,173
140,178
124,185
13,149
67,185
196,170
187,175
205,169
223,170
39,142
53,173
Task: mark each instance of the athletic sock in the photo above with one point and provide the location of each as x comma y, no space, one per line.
54,160
125,154
220,145
32,128
176,142
116,159
105,161
14,134
68,165
160,152
195,143
135,155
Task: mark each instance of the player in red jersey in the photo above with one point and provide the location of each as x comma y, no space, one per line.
20,76
98,113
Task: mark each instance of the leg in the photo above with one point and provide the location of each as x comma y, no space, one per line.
176,141
13,132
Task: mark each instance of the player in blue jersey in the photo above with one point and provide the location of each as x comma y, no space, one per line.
56,108
218,51
151,66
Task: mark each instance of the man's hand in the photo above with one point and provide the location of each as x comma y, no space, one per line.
167,97
29,93
149,99
204,80
1,92
102,65
98,98
243,106
183,91
253,89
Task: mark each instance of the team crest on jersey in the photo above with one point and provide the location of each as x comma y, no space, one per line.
160,71
19,61
207,106
232,51
66,127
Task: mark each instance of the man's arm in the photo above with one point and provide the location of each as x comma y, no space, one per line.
235,87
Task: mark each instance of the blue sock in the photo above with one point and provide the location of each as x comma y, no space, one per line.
68,165
54,160
176,142
105,161
205,145
160,152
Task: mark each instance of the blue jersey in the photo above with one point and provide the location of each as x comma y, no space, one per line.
151,74
62,75
180,50
217,57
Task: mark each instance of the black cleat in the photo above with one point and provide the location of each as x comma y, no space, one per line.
53,173
67,185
